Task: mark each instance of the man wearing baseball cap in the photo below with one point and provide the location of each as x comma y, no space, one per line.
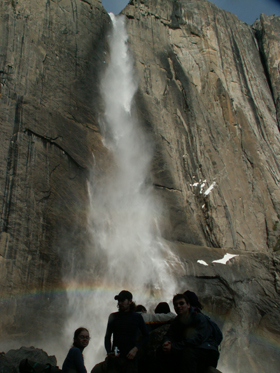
124,325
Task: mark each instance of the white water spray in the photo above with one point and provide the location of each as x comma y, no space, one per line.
124,215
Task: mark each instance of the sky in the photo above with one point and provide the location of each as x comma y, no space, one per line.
246,10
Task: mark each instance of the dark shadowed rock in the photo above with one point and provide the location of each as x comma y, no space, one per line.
5,365
9,362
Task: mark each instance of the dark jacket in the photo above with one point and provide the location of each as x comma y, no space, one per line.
74,362
193,330
125,327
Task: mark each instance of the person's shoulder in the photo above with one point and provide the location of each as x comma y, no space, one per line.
200,317
75,350
136,314
172,315
113,315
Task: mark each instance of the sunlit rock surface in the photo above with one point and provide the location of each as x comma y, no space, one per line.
208,98
267,33
205,97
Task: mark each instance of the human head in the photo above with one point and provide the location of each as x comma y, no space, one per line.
181,304
140,308
81,338
124,294
125,303
162,307
194,302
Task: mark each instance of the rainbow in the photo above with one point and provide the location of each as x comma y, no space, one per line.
269,341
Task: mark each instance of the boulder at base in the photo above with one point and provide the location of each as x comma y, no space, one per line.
9,362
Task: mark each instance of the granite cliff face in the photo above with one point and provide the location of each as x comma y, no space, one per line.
51,53
208,97
267,33
205,96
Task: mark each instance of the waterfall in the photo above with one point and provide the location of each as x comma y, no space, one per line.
123,218
124,212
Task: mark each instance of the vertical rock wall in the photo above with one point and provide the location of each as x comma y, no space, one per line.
268,36
205,97
50,55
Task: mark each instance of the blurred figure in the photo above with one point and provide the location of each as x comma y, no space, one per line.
161,316
74,362
194,302
163,307
141,309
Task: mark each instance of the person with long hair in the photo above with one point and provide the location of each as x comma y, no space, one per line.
74,362
124,326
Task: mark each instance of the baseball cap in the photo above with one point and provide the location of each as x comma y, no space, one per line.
124,294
